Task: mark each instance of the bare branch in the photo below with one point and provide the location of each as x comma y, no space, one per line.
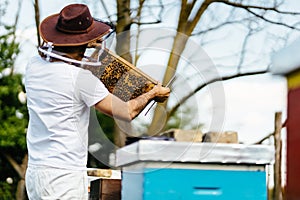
105,10
14,164
192,23
270,21
264,138
145,23
274,9
15,27
17,16
141,3
174,108
218,26
162,8
136,56
251,31
138,18
37,20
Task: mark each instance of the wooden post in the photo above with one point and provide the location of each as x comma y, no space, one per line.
277,195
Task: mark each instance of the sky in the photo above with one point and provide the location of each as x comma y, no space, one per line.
250,103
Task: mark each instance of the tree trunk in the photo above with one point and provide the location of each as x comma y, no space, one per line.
21,190
123,29
184,30
123,50
159,117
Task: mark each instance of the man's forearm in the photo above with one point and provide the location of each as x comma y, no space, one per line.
115,107
136,106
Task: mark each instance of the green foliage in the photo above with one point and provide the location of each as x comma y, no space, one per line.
9,49
13,113
5,191
107,125
13,110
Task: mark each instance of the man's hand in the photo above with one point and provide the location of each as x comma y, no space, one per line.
161,93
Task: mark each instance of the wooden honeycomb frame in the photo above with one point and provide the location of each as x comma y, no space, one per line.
120,77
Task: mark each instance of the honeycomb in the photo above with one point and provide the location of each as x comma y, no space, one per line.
120,77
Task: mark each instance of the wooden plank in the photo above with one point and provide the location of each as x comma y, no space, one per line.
100,172
277,195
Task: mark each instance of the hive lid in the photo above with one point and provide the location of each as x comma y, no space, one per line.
171,151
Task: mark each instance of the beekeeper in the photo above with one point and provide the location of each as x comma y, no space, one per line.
59,97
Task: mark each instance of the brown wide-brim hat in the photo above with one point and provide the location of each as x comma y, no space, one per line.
73,26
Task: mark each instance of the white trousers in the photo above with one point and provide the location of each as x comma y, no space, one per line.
46,183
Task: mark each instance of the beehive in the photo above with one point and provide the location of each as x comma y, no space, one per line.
120,77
